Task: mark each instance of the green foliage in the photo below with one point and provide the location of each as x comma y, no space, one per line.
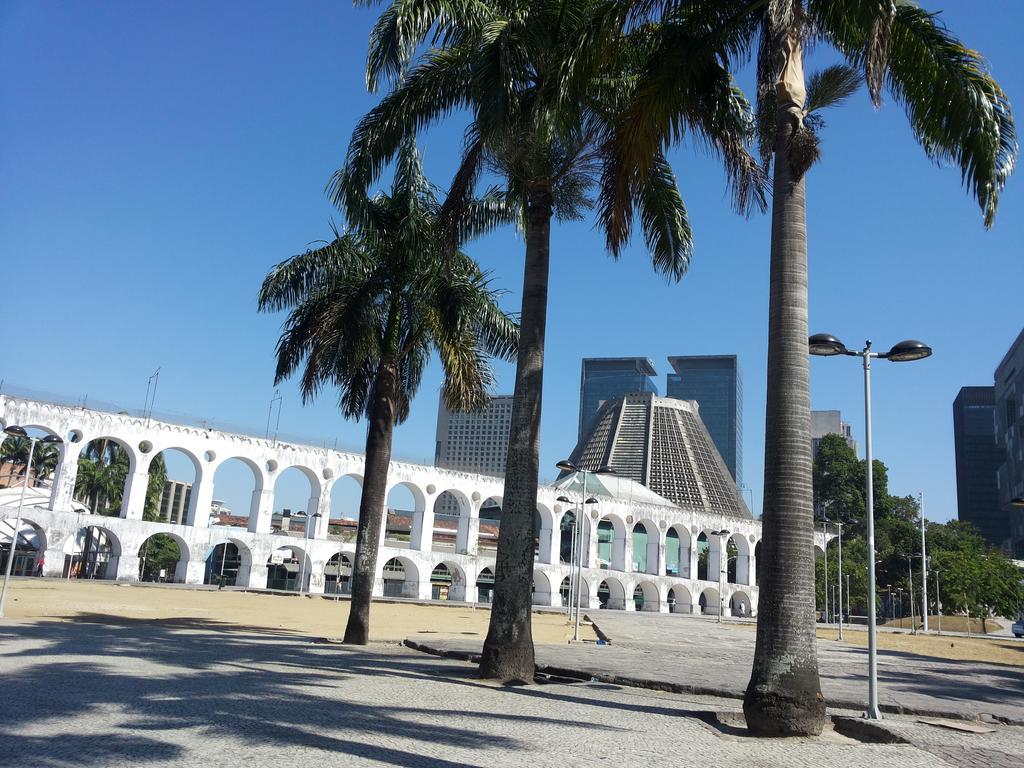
102,471
15,450
390,291
972,576
160,552
155,488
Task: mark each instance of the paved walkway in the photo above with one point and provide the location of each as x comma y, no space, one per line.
696,655
195,693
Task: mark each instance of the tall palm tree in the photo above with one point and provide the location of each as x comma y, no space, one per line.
544,85
958,113
367,310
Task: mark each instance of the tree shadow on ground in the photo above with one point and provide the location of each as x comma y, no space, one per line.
264,688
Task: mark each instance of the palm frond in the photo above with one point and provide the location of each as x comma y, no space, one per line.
831,87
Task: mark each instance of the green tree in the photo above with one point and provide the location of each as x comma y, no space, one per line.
544,86
155,488
102,471
366,311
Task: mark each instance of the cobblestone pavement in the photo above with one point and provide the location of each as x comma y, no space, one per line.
195,693
698,655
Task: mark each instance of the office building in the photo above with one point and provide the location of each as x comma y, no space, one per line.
174,502
829,423
715,382
607,378
978,458
662,444
476,441
1009,425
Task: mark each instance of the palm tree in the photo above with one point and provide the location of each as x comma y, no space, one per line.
958,113
368,309
544,85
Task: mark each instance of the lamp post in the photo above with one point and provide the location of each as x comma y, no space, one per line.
938,601
910,578
924,569
826,345
16,431
567,465
824,549
723,557
838,603
305,553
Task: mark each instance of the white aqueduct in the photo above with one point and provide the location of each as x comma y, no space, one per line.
610,577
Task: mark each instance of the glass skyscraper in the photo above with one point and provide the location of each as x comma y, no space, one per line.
606,378
978,457
1009,417
716,383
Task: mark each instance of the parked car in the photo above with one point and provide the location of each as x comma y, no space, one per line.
1018,628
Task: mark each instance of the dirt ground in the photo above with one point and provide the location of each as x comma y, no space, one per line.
998,651
317,616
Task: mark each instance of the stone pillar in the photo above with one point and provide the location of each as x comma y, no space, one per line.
692,560
200,503
134,502
316,576
195,571
323,506
260,512
622,551
63,488
550,538
467,540
127,567
257,572
422,534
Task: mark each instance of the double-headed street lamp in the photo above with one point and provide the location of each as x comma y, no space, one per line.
15,431
723,565
567,465
826,345
837,604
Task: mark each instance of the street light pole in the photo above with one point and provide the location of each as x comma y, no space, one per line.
824,534
840,580
723,564
938,601
827,345
924,569
910,578
15,431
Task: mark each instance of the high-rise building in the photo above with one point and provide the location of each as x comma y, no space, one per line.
174,502
476,441
829,423
1009,425
978,458
661,443
606,378
715,382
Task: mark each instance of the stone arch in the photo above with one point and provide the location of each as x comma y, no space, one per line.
400,521
611,594
452,509
679,599
228,483
288,568
566,525
401,578
542,591
178,503
740,604
93,552
647,596
709,602
677,551
174,565
448,581
543,529
738,550
489,525
46,458
29,546
646,540
106,476
611,543
338,574
485,585
229,561
288,486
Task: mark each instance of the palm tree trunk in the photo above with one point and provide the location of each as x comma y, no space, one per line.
508,649
784,697
383,411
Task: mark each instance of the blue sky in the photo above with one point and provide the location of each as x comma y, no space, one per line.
158,158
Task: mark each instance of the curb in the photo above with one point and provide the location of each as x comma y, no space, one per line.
707,690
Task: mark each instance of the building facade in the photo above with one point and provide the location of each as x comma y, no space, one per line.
1009,425
475,441
715,383
174,501
978,458
829,423
607,378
